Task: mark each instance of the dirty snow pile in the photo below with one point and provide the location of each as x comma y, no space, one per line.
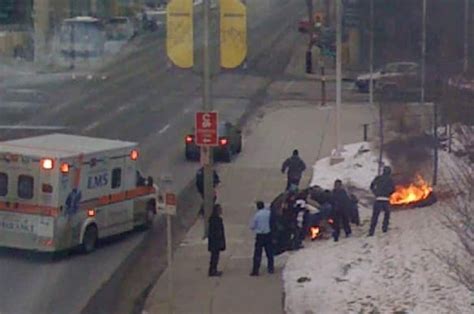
394,272
359,168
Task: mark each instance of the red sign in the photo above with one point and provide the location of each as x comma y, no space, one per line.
206,129
170,199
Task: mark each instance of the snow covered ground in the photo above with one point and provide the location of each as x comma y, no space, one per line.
394,272
359,168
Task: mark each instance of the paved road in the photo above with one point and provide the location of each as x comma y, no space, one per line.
141,100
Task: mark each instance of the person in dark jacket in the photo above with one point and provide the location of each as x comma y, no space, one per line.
355,218
200,185
382,187
341,210
294,168
216,239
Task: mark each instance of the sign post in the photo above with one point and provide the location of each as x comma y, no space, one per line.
206,137
167,205
206,128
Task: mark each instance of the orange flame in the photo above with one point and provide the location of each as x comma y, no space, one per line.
415,192
314,232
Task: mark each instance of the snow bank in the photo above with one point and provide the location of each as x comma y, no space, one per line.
394,272
358,169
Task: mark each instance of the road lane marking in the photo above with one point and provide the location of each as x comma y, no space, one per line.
164,129
91,126
187,110
121,108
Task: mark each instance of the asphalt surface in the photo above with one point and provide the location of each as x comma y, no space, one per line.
138,98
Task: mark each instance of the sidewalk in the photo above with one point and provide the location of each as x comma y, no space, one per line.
281,127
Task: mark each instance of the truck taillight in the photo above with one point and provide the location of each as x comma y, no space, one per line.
134,154
223,141
64,167
47,163
91,213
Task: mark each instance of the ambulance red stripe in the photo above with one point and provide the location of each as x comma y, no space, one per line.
84,205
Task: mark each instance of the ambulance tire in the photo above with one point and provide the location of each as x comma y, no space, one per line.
90,238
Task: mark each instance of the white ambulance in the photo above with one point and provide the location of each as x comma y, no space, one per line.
60,191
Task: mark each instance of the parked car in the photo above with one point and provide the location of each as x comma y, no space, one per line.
230,143
406,84
385,74
119,28
463,83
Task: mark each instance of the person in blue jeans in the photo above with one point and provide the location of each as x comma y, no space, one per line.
382,187
260,225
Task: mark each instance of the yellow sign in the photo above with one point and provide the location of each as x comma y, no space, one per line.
233,32
179,33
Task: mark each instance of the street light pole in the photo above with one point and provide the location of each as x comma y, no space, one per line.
466,35
206,152
423,54
371,54
338,150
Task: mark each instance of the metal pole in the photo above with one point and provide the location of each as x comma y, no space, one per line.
423,54
338,77
165,184
170,262
371,54
466,35
381,137
206,152
323,81
435,133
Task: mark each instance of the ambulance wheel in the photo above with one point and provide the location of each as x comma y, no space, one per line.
89,241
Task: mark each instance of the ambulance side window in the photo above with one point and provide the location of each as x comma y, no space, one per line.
3,184
116,178
25,187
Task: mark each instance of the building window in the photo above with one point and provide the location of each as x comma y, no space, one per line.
25,187
3,184
116,178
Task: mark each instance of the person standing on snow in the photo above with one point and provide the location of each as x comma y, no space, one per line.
216,239
260,225
295,166
341,210
382,187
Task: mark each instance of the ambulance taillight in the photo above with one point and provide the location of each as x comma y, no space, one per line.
47,164
134,154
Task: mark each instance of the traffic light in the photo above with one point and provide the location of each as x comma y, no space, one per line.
318,20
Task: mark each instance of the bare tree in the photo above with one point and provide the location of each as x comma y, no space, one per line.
460,220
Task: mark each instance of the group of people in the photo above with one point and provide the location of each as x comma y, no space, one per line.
285,226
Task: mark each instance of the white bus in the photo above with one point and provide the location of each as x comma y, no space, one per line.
60,191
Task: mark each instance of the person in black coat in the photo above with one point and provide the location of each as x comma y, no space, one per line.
216,239
294,167
382,187
341,210
200,185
